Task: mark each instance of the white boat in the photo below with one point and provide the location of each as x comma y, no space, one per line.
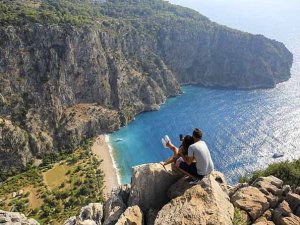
278,155
118,140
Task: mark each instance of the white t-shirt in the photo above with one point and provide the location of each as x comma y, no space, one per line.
201,153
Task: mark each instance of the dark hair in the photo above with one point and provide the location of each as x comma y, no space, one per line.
197,133
186,143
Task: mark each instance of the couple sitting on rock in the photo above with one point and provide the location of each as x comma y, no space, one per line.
192,158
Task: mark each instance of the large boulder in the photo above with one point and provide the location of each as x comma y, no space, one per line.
93,211
269,184
91,214
205,203
115,205
291,220
283,215
293,200
132,216
251,200
71,221
15,218
263,221
149,185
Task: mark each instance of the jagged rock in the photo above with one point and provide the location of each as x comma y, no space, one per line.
272,199
201,204
270,184
283,210
149,185
263,221
15,218
220,178
14,146
151,216
178,188
291,220
297,191
93,211
115,205
89,215
283,215
245,216
293,200
233,189
124,192
251,200
268,214
297,212
132,216
86,222
71,221
286,189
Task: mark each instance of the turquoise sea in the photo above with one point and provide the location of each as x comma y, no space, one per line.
243,129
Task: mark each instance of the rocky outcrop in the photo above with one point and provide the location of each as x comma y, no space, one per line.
267,201
91,214
157,179
160,195
116,205
118,69
132,216
14,218
14,146
200,204
251,200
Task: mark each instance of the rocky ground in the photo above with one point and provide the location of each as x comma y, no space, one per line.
160,196
14,218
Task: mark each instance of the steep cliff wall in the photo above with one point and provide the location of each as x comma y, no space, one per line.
61,83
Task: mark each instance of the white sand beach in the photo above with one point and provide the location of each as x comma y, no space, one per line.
101,149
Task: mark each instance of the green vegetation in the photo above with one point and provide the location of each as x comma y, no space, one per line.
287,171
58,188
79,12
238,218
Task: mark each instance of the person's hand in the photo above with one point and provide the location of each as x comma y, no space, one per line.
163,164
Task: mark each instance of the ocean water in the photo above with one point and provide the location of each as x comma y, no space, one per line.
243,129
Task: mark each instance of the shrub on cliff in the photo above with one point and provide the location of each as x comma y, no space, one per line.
238,218
287,171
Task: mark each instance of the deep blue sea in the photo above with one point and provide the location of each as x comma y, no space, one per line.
243,129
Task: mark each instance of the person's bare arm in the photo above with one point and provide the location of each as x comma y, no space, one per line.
170,160
187,159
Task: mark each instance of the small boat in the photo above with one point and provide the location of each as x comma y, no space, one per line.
118,140
277,155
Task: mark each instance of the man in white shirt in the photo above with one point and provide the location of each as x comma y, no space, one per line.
198,162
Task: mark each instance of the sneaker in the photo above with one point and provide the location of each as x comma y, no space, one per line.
167,139
194,182
164,143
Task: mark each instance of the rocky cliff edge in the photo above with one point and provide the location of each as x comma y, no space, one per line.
159,196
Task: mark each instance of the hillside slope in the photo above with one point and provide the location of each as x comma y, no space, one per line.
72,69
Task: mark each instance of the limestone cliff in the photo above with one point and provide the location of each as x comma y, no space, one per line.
63,79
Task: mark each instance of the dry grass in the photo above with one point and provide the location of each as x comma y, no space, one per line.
54,177
35,201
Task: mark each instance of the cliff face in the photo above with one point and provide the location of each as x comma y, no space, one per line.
61,83
220,56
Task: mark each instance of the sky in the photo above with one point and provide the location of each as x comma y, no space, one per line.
255,16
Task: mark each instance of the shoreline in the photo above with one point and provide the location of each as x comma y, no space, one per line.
103,150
